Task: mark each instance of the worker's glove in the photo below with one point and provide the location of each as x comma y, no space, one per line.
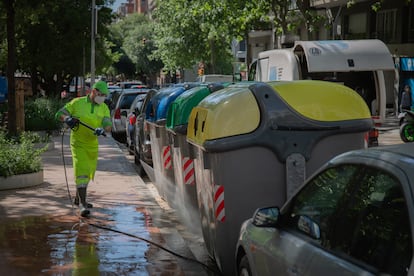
99,131
71,122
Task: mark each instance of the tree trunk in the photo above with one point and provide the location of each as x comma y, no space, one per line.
11,67
212,64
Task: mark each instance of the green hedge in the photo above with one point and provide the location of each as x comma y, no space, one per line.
18,155
40,114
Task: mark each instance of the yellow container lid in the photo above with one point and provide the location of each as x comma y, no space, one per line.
228,112
276,106
322,100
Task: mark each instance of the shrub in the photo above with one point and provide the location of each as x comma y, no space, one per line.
40,114
18,155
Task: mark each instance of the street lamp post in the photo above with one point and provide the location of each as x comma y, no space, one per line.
93,34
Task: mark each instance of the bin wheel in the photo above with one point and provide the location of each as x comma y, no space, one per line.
407,132
244,267
115,136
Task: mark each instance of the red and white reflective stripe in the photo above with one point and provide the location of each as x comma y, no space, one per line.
219,210
366,139
166,157
188,171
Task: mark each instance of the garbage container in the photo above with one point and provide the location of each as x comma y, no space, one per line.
254,144
142,144
160,146
176,125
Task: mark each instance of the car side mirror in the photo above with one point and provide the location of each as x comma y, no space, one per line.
266,217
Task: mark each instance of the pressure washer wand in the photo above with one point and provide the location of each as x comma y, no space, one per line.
91,128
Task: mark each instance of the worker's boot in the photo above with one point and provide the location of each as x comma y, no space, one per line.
76,201
84,211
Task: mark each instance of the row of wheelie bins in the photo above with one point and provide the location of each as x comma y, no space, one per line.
160,145
235,148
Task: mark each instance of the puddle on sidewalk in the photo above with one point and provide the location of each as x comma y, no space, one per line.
63,246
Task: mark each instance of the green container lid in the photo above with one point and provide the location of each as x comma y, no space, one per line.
179,111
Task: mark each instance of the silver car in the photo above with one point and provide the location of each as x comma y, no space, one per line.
119,112
354,217
132,114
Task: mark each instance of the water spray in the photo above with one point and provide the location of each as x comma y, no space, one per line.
83,220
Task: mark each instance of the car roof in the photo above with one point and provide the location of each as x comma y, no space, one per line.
133,81
400,152
399,157
135,91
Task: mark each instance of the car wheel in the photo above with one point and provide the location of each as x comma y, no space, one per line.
407,132
136,158
244,267
140,171
130,149
115,136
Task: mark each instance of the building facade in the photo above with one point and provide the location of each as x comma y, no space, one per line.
136,6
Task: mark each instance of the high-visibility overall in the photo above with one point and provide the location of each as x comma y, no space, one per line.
84,143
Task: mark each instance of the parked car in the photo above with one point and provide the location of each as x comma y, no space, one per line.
355,216
129,84
112,96
132,114
119,112
139,86
142,143
113,88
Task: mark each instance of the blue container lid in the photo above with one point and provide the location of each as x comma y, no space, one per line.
163,99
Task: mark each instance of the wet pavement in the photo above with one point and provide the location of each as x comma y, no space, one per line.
131,231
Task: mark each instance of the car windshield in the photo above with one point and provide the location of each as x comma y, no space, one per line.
127,100
137,103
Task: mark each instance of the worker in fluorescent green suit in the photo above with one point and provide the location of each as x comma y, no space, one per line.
92,111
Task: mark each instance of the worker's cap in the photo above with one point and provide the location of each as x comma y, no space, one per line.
101,86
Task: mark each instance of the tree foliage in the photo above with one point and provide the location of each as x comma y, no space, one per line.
189,32
134,36
53,38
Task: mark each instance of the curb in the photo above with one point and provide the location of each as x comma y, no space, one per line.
21,181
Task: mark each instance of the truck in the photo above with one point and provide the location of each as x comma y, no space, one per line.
366,66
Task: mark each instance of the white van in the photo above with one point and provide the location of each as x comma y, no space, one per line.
215,78
363,65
